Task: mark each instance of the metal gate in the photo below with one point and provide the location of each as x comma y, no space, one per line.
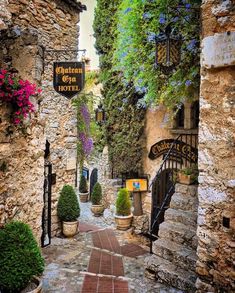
46,214
93,179
160,187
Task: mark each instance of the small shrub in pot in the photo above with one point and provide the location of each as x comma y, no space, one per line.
20,257
68,209
83,189
123,215
96,195
83,185
123,203
96,198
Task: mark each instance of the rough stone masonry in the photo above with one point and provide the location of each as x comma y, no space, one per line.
28,30
216,214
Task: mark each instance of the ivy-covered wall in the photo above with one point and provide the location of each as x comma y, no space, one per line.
124,119
126,32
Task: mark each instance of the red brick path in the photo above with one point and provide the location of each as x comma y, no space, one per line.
132,250
105,263
106,239
84,227
94,284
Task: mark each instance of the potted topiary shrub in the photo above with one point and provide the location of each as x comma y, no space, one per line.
188,175
97,207
83,189
68,210
123,216
20,259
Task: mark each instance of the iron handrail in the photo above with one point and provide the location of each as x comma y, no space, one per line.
171,187
163,163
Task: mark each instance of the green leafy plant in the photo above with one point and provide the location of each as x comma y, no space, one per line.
96,195
123,129
139,24
125,33
20,257
83,188
191,171
68,209
123,203
85,142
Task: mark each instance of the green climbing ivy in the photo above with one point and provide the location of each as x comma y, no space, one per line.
139,24
125,32
124,119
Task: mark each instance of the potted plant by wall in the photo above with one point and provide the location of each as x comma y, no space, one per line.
97,207
188,175
83,189
68,210
123,215
21,262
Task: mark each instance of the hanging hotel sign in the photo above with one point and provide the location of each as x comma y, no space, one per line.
69,78
180,150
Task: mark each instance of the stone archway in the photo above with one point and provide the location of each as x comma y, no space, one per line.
93,179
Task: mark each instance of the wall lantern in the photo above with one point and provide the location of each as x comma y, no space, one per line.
168,47
100,115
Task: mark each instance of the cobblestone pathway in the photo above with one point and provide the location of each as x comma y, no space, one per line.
98,259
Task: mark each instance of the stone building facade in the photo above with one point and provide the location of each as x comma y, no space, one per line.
29,30
216,213
161,125
216,161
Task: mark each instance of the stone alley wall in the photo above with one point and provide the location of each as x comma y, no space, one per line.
28,30
216,219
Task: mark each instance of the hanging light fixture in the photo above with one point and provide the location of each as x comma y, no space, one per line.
100,115
168,46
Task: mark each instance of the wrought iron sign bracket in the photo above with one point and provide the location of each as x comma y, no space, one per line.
44,51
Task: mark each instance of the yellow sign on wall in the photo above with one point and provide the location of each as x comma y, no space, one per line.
134,185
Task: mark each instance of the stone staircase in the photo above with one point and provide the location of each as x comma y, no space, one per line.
174,253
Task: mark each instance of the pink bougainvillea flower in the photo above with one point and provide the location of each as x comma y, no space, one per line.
17,121
17,92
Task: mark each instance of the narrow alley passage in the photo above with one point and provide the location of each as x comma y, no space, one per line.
98,259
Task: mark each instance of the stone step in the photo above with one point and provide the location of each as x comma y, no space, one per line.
186,190
180,216
179,233
178,254
186,203
170,274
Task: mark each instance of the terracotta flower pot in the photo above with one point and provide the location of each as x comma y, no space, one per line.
185,179
123,222
97,210
70,228
83,196
34,282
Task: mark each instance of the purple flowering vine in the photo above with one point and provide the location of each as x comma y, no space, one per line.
85,142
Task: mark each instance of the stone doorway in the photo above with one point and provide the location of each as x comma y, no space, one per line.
161,186
46,214
93,179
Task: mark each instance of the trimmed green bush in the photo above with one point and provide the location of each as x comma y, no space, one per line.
68,209
83,185
96,195
20,257
123,203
